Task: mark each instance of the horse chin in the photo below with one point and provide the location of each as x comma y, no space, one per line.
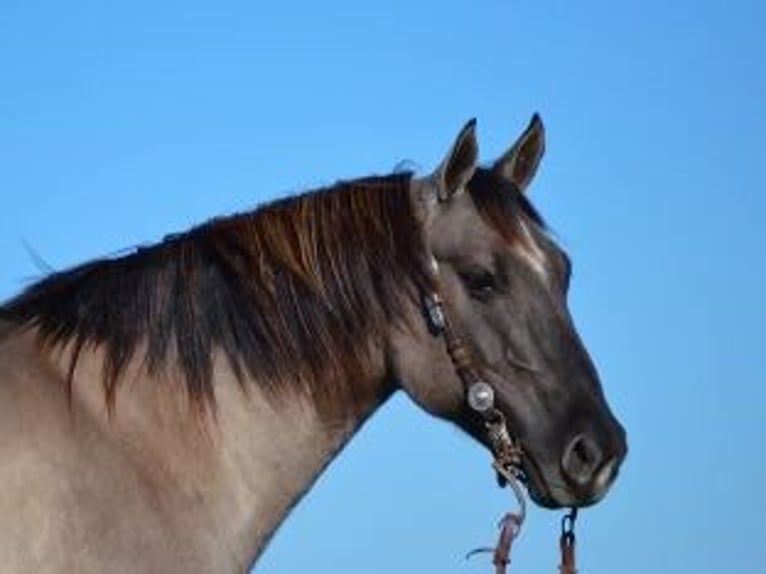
538,488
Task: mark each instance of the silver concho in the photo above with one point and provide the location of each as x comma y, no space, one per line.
481,397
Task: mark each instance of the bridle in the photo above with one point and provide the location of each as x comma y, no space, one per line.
479,394
507,452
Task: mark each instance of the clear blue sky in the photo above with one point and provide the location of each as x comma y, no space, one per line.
120,122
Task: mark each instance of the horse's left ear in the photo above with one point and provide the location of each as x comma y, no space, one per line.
454,173
519,164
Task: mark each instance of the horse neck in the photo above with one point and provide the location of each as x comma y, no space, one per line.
229,481
276,452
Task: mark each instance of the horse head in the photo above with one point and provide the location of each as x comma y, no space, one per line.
504,283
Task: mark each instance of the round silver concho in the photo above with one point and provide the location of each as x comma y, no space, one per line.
481,397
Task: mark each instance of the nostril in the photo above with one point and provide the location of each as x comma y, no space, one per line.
581,459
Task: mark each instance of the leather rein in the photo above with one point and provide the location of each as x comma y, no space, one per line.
507,452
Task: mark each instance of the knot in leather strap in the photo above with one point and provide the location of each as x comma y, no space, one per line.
458,352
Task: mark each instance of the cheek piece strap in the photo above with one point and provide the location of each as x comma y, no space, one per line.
479,394
507,452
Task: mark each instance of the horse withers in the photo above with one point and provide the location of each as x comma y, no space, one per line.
164,410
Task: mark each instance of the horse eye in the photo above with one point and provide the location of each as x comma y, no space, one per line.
481,284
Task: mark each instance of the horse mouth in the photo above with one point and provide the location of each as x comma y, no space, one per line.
529,473
543,481
533,479
553,494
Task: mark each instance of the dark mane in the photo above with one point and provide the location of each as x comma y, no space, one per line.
293,292
500,203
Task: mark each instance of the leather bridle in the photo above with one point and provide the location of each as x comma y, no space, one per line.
508,455
479,394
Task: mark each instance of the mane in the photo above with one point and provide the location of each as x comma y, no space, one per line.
500,203
293,293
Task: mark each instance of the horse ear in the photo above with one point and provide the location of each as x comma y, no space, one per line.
454,173
519,164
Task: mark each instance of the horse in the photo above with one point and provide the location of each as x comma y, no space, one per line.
164,409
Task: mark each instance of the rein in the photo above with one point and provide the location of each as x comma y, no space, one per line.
507,452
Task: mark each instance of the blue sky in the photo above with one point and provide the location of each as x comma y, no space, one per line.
120,122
